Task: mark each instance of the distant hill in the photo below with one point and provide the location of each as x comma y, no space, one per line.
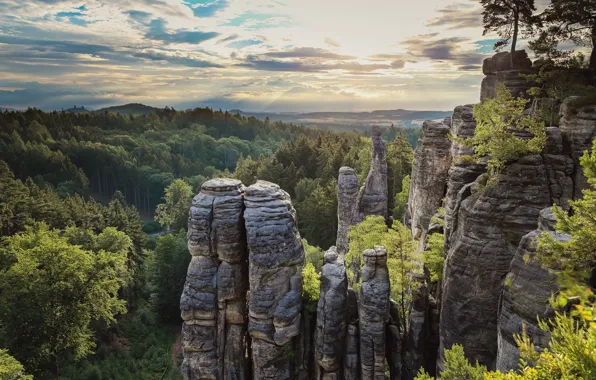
76,109
130,109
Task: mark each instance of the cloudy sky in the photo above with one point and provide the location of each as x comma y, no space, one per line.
258,55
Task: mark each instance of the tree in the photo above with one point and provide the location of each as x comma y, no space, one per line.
174,212
506,18
401,199
50,294
166,269
567,20
312,286
11,369
499,123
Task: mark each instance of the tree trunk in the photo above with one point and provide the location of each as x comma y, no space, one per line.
515,32
593,55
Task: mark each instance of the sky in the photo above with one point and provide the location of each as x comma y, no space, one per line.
254,55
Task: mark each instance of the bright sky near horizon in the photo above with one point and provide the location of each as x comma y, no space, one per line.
257,55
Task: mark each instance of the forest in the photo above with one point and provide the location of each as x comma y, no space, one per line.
100,203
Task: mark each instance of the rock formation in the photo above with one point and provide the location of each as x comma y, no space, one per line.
352,355
528,287
373,313
487,224
332,317
276,258
372,197
432,160
500,70
579,126
213,302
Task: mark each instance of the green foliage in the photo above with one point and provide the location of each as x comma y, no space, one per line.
166,270
51,292
174,212
506,18
314,255
403,259
498,121
401,199
10,368
311,286
457,367
434,256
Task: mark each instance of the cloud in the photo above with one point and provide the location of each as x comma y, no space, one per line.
244,43
206,8
231,37
332,42
58,46
308,52
458,16
443,50
177,60
157,31
255,62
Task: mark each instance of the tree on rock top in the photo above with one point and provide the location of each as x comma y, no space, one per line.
507,18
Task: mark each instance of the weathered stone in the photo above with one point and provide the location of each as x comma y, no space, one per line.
347,192
502,62
371,199
373,313
213,304
432,160
578,125
486,227
394,350
488,87
276,258
332,314
352,355
499,69
515,82
525,298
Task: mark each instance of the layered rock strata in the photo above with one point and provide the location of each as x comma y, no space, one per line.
487,225
354,205
578,124
432,161
373,313
276,259
525,297
213,303
332,317
352,354
501,69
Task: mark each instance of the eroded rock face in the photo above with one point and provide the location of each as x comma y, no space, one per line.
332,316
276,259
352,355
487,226
213,303
373,313
579,127
432,160
500,70
525,298
347,192
354,205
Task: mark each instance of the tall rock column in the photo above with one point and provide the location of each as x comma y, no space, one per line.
373,313
432,160
499,69
526,293
276,259
332,317
213,302
347,192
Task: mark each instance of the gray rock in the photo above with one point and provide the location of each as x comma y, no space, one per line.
373,313
500,70
347,192
525,297
276,259
394,349
487,224
332,314
579,129
488,87
213,303
502,62
432,160
352,354
371,199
